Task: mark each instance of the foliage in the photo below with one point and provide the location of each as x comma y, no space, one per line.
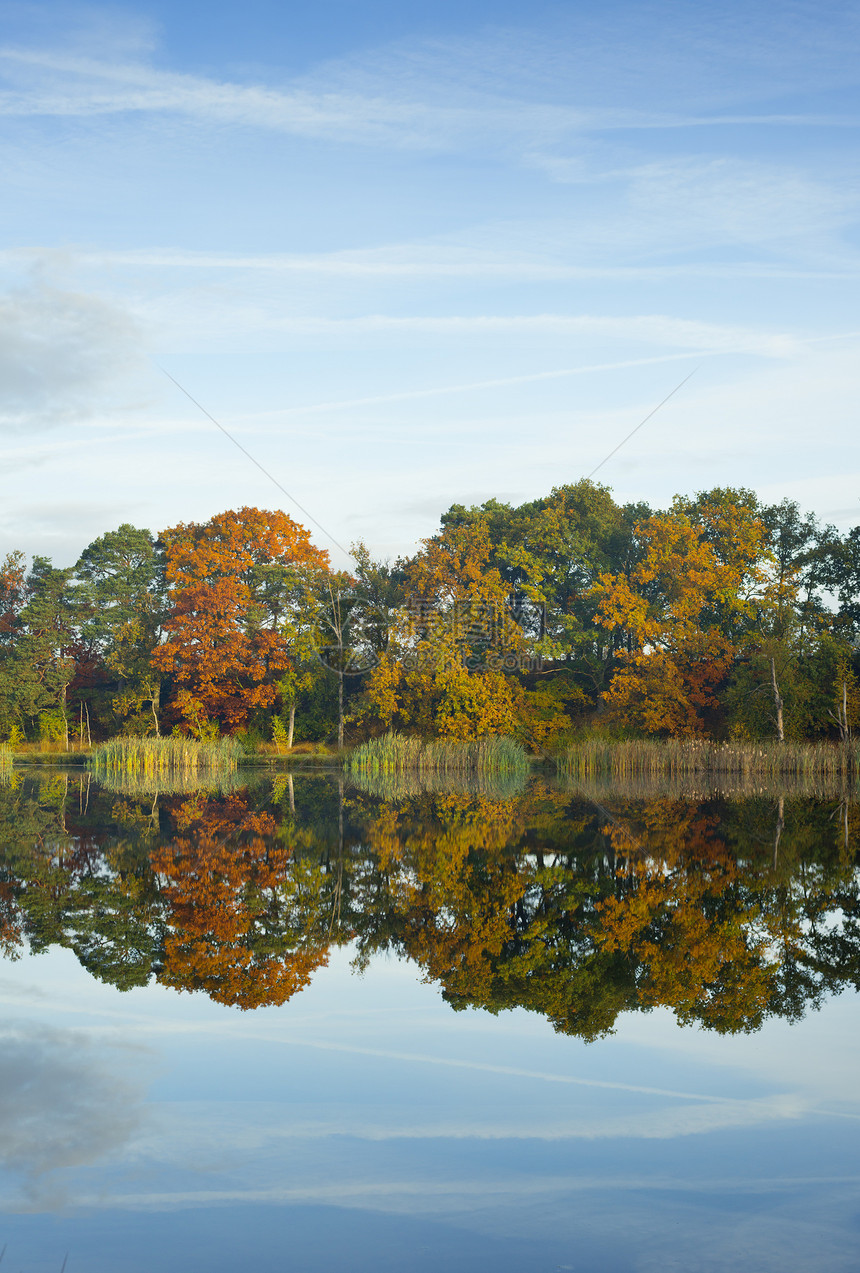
684,607
232,584
567,616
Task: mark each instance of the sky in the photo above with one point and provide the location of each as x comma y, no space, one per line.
412,255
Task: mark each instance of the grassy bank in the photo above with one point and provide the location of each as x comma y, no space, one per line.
399,754
638,758
164,758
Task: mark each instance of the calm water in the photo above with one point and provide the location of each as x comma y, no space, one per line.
512,1029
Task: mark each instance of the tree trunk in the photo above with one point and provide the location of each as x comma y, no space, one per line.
778,830
292,728
777,703
154,703
340,711
65,716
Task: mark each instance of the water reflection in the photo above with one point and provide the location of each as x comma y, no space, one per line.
576,904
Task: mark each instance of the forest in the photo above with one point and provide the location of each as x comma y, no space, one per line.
569,617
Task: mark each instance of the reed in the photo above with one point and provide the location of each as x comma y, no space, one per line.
748,761
708,786
5,760
163,759
399,753
173,782
410,784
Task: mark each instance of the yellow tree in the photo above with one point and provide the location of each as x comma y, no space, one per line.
684,609
452,646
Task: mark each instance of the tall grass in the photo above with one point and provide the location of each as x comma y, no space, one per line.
813,761
5,760
705,786
410,784
164,759
398,753
171,782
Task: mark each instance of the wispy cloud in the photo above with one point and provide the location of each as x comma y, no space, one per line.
430,95
651,329
420,261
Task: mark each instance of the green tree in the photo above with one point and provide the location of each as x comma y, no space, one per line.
43,664
120,594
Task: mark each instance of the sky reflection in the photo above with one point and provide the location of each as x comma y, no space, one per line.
364,1125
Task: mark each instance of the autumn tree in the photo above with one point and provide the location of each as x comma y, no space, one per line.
551,552
232,581
686,607
244,923
445,669
12,600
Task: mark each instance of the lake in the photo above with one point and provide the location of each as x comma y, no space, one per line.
298,1025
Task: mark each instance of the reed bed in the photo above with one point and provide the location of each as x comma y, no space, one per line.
813,762
699,787
399,753
163,760
174,782
5,759
411,784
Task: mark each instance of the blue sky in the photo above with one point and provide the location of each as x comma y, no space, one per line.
418,254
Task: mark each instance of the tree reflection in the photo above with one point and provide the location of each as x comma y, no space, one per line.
243,921
578,907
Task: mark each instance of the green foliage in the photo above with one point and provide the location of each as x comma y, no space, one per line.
52,727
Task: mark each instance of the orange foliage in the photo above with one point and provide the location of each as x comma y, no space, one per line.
224,649
224,879
12,593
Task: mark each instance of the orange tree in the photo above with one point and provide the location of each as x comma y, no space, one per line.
233,581
685,610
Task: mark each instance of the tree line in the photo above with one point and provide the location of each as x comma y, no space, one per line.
719,617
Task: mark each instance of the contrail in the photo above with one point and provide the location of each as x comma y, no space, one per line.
470,386
641,422
255,462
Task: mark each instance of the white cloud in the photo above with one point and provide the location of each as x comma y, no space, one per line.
59,350
61,1106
